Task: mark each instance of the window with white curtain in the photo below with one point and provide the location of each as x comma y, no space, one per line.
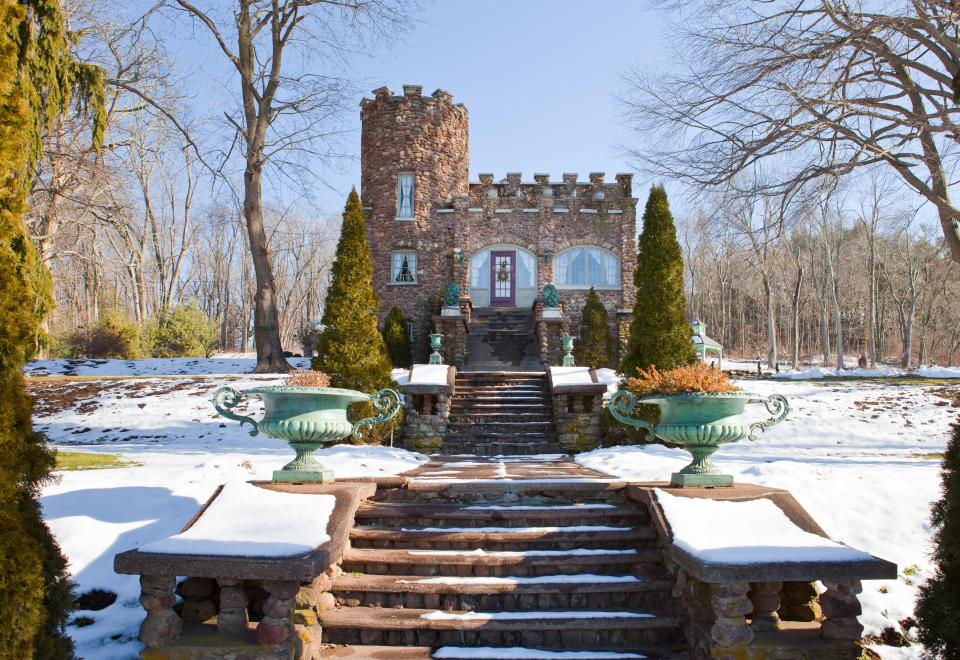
405,195
480,269
586,266
403,268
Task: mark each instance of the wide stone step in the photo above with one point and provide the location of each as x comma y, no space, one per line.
548,490
501,427
479,448
382,514
500,403
579,629
484,563
503,538
473,418
502,594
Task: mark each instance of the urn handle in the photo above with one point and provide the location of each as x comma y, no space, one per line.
387,403
226,398
777,406
621,406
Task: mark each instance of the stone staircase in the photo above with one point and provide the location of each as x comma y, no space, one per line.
501,568
502,339
501,413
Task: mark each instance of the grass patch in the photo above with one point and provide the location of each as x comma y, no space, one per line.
84,460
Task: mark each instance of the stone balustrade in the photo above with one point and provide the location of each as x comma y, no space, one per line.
577,411
770,609
426,411
263,607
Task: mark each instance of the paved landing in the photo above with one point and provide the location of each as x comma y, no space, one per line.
541,468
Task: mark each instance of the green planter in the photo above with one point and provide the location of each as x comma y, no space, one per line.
700,423
308,418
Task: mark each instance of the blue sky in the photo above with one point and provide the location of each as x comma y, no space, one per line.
540,79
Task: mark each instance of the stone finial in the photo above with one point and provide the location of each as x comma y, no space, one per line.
383,92
626,183
570,178
596,178
413,91
442,95
486,179
364,102
542,179
513,182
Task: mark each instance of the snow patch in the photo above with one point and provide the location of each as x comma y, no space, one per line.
437,615
429,374
745,533
521,653
578,578
247,521
517,530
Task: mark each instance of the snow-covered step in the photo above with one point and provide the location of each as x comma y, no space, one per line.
435,515
483,562
502,594
561,630
503,538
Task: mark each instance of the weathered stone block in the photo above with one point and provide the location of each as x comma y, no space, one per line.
160,627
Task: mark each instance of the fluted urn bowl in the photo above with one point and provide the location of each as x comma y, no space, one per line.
308,418
700,423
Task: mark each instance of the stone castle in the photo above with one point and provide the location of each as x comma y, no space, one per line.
501,241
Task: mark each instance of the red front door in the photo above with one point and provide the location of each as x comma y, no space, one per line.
503,279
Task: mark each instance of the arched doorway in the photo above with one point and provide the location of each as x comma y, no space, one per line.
503,275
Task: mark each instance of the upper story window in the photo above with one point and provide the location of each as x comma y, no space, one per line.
403,268
405,195
586,266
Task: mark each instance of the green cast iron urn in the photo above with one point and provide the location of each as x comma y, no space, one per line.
700,423
308,418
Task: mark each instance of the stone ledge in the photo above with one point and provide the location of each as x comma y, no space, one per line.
772,571
303,569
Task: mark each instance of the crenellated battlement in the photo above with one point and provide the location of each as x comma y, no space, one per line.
412,94
586,193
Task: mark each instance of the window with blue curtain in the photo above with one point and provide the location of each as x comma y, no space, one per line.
586,266
405,195
403,268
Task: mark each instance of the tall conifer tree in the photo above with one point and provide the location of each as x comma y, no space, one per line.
594,346
38,76
659,334
938,606
351,349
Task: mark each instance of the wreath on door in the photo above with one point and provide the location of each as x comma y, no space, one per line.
503,273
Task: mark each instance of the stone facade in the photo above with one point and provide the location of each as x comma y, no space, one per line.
454,221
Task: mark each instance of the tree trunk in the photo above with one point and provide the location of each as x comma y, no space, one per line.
872,303
795,310
266,319
771,325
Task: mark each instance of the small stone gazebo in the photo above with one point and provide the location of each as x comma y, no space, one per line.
708,349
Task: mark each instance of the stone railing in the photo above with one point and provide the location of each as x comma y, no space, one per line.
768,609
265,607
548,331
426,411
577,410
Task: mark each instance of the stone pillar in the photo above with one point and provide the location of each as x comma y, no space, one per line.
198,603
232,618
277,625
162,624
765,597
730,605
841,607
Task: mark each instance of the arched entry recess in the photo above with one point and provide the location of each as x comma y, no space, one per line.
503,275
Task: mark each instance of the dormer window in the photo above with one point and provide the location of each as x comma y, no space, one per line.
405,196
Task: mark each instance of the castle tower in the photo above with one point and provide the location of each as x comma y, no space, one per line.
413,158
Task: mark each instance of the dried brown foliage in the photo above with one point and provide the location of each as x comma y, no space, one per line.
308,378
697,377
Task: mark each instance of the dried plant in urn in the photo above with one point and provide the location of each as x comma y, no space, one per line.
308,378
700,409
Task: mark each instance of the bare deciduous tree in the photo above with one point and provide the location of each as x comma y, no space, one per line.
812,87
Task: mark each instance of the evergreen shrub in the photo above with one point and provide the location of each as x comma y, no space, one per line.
396,336
938,604
186,332
595,347
351,349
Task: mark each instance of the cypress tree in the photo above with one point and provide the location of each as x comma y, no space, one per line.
38,77
351,349
594,347
938,605
659,334
396,336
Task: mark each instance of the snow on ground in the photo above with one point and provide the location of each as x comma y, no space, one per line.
223,364
745,533
861,456
185,449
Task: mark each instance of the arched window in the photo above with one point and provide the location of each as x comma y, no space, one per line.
586,266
